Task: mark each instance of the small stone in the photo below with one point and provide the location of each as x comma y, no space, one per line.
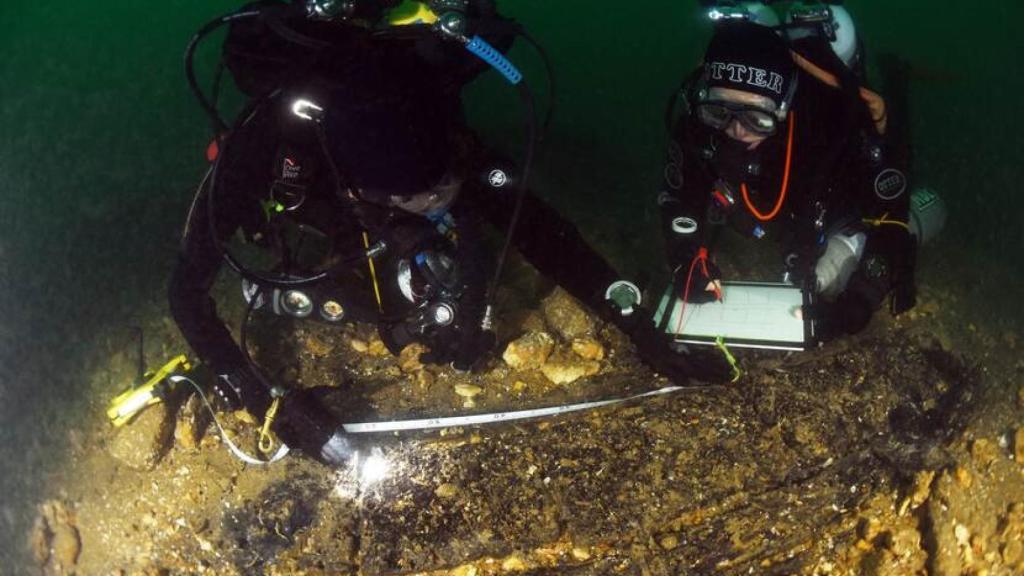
588,349
962,535
565,315
55,541
1013,552
446,490
580,554
963,477
513,563
1018,445
566,371
465,570
318,347
518,386
424,379
376,347
669,542
983,452
409,358
530,351
359,345
143,442
922,488
467,390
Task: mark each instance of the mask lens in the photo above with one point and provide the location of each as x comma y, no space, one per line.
758,121
719,115
716,116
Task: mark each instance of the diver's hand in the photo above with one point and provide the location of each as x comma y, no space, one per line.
679,366
304,423
705,282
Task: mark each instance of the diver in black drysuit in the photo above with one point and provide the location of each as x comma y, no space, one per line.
376,151
841,227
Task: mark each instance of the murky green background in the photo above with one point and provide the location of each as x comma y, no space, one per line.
102,144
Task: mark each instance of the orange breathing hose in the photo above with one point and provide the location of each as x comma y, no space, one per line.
785,181
875,103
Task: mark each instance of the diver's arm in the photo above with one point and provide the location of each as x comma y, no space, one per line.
195,311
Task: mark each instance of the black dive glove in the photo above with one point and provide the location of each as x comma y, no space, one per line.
304,423
301,421
678,365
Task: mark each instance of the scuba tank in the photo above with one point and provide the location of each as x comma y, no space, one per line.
796,20
928,215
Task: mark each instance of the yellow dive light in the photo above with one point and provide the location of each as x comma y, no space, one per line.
132,401
410,12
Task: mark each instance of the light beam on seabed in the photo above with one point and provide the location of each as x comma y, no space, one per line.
362,472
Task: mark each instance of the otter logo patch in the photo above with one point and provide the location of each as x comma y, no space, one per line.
890,184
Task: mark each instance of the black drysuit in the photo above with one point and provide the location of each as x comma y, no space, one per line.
842,172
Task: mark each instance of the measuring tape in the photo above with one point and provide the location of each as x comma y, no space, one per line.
496,417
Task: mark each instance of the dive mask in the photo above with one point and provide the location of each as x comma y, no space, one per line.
719,114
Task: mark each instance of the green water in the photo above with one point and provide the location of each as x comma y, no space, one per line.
101,145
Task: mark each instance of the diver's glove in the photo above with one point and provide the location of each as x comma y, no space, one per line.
303,423
679,365
701,272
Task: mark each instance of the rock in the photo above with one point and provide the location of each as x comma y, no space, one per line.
565,315
530,351
564,370
1013,552
922,488
193,421
446,490
55,541
983,452
144,441
318,347
580,554
467,390
377,347
359,345
424,379
669,542
963,477
588,349
513,563
1018,445
409,358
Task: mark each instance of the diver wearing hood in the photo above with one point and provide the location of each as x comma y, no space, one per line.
780,142
363,175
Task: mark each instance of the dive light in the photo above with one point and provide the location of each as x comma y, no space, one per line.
153,390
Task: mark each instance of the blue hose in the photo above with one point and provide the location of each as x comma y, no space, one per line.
497,60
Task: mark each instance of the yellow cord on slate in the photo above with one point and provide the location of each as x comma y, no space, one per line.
266,441
736,372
